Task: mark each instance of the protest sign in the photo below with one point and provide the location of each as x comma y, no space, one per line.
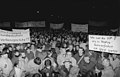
5,24
14,37
21,24
20,30
79,27
56,26
36,24
110,44
5,31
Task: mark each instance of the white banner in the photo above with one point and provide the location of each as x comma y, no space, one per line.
110,44
79,27
14,37
5,31
36,24
20,30
56,26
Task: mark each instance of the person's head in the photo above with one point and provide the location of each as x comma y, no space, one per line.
18,47
10,48
32,46
106,63
69,54
67,64
74,42
5,50
48,62
77,38
81,51
114,56
105,55
70,47
87,59
64,45
1,70
3,45
77,47
21,47
28,45
70,41
37,61
5,55
28,50
36,75
23,55
17,53
49,53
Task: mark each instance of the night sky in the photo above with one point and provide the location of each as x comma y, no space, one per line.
77,11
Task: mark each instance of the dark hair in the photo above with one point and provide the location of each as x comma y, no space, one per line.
106,55
47,61
4,51
82,49
37,61
16,51
16,63
36,75
27,48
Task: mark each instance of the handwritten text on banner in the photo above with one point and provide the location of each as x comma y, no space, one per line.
79,27
110,44
14,37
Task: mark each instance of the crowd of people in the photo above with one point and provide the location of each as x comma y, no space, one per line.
56,54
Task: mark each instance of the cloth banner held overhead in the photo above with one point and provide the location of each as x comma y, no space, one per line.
110,44
114,30
14,37
5,24
20,30
21,24
79,27
36,24
56,26
5,31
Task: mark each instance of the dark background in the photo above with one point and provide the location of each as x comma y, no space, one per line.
68,11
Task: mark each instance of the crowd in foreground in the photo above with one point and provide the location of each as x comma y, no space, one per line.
56,54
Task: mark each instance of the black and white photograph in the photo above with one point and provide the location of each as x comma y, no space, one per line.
60,38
